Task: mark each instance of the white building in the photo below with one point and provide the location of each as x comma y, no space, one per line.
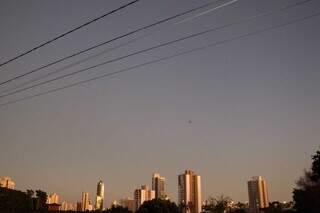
143,194
158,185
189,191
53,198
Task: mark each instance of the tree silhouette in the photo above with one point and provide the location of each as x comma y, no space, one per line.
41,199
306,195
219,204
158,206
118,209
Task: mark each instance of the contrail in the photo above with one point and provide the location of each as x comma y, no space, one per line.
207,11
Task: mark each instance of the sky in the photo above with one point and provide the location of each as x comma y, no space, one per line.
244,108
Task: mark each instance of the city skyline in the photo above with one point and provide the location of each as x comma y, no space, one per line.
188,188
248,106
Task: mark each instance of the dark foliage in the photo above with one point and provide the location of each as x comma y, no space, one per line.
158,206
315,177
118,209
14,200
307,194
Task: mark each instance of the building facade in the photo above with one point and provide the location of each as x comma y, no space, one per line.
53,198
68,206
100,196
158,185
128,203
143,194
85,201
258,194
189,192
6,182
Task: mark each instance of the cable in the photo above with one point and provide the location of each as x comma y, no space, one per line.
208,11
150,48
73,64
68,32
167,57
90,57
109,41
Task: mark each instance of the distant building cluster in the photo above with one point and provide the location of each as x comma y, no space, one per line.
53,198
189,195
143,194
6,182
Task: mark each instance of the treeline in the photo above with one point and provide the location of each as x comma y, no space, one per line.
14,200
17,201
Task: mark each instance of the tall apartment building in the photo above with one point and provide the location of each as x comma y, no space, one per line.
85,201
128,203
189,192
6,182
53,198
258,194
143,194
158,185
100,196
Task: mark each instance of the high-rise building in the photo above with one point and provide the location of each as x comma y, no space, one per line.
100,196
189,192
6,182
85,201
258,194
67,206
158,183
53,198
128,203
143,194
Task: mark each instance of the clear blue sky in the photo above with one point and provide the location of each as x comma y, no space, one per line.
253,103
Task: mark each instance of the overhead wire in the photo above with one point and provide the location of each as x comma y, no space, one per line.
68,32
23,84
241,21
168,57
103,52
109,41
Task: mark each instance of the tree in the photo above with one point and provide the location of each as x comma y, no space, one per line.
30,194
315,175
41,200
118,209
158,206
306,195
239,208
13,200
219,204
274,207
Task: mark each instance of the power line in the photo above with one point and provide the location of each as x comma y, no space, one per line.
208,11
153,48
74,64
68,32
90,57
167,57
109,41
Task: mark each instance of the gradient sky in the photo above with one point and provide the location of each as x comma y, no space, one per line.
254,103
